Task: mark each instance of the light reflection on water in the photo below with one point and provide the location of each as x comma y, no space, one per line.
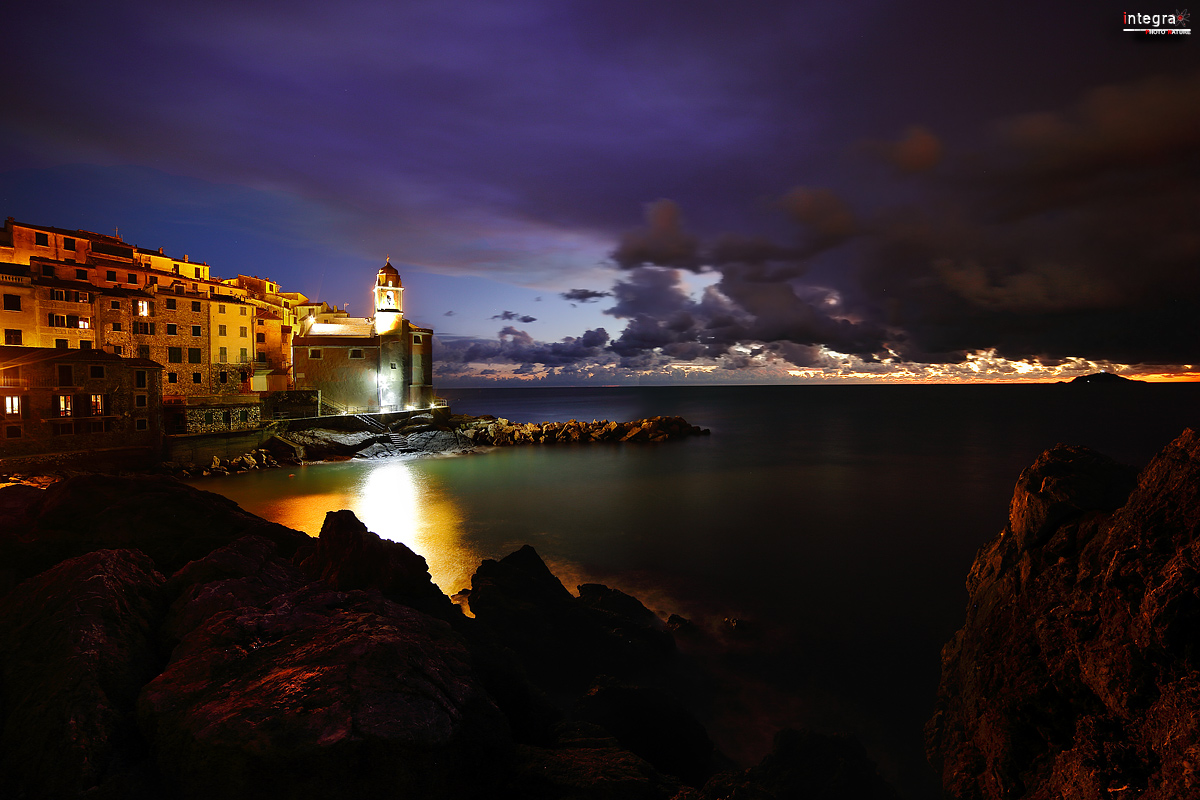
400,500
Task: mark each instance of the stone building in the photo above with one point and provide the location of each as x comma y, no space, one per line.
380,363
61,401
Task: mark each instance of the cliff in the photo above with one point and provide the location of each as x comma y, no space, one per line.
160,642
1077,670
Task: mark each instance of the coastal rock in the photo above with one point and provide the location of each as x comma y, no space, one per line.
348,556
562,642
165,519
652,725
586,763
802,764
1076,671
323,694
78,644
245,573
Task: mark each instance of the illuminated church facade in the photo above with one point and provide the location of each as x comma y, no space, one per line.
379,364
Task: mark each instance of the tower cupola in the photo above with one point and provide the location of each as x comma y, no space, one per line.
388,298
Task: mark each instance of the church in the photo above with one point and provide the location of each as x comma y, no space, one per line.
365,365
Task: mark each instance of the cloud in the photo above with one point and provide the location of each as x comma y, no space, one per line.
662,242
509,316
448,314
516,346
582,295
918,151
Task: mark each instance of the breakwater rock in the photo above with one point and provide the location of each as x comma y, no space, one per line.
160,642
1077,671
501,432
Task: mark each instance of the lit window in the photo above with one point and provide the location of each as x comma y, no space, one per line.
84,322
12,405
64,405
97,405
143,308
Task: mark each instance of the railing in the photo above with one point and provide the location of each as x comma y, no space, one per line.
19,280
14,383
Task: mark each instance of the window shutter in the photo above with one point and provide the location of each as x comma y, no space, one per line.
152,314
72,321
50,320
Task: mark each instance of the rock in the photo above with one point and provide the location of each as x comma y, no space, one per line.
348,556
652,725
246,573
806,766
78,644
586,764
1076,670
323,694
165,519
562,642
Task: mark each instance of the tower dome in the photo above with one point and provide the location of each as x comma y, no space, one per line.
388,276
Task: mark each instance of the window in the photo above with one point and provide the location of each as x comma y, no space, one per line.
416,338
195,303
12,302
97,405
171,303
63,405
59,294
84,344
198,275
242,332
221,330
116,326
172,377
63,429
48,270
85,323
115,305
195,377
62,344
98,425
260,357
141,424
143,308
208,417
244,415
12,405
139,400
143,351
195,330
68,244
12,336
242,309
221,309
118,349
175,355
140,378
131,278
314,353
195,288
223,377
143,328
242,356
393,365
111,276
96,371
356,353
41,239
12,432
223,355
260,337
81,274
152,280
172,329
193,355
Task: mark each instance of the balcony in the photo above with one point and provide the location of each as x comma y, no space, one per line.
14,383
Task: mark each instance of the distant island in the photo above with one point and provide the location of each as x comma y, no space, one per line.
1104,379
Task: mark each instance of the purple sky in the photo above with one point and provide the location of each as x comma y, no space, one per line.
763,191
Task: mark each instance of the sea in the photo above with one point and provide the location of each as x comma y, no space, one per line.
818,539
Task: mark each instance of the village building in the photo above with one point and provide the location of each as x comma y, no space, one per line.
64,401
375,364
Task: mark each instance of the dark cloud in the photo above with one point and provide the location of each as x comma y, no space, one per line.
583,295
448,314
512,345
509,316
662,242
919,150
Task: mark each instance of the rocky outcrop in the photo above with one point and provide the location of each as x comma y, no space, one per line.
78,644
323,694
168,521
501,432
271,665
1077,671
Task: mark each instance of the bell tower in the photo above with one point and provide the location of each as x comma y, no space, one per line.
388,298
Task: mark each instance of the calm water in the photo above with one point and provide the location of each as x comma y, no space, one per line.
837,521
